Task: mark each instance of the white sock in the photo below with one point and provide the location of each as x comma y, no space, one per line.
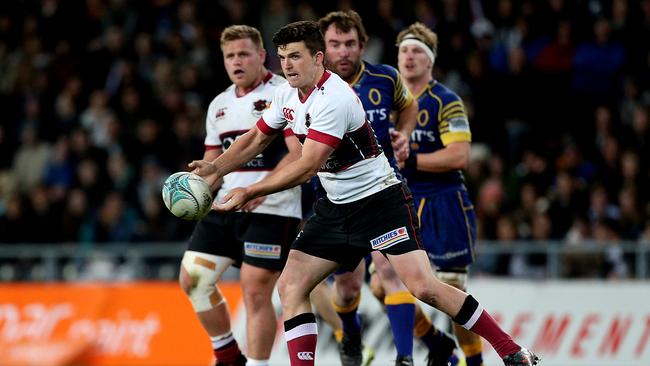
253,362
221,340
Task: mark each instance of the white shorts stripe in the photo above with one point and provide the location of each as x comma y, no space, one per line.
301,330
474,318
222,340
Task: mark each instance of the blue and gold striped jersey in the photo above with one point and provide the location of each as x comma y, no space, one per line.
381,91
441,121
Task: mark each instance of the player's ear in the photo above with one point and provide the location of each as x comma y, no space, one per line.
263,54
319,57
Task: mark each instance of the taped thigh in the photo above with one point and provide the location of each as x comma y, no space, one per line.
455,277
204,271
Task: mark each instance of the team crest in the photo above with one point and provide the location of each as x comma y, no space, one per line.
259,106
221,113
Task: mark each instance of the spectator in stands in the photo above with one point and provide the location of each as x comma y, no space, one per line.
155,62
30,160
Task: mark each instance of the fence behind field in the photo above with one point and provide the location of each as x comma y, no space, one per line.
131,261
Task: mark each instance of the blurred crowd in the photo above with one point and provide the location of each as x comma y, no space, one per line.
102,99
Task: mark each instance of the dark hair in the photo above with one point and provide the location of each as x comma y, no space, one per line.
303,31
344,21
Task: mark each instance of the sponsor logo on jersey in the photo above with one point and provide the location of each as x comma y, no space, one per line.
268,251
458,124
221,113
307,120
390,238
380,114
305,356
288,113
423,136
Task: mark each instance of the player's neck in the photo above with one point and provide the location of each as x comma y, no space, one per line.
355,75
415,86
240,91
305,90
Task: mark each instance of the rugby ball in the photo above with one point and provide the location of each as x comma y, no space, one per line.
187,195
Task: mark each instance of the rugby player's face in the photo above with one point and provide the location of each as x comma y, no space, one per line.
300,67
243,61
413,62
343,51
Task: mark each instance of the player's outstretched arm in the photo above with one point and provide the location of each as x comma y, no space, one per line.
294,151
314,154
245,148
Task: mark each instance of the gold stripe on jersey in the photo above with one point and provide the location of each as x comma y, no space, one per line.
437,98
454,115
455,103
358,76
451,137
453,110
403,97
422,91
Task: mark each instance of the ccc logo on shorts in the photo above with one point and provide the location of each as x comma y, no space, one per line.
306,356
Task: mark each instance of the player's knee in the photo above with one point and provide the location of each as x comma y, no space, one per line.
287,286
376,288
425,292
257,292
347,289
201,273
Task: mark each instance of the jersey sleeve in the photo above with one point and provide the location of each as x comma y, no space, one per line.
454,125
212,140
402,97
330,120
273,121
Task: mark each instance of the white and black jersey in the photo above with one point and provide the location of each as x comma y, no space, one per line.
331,113
229,117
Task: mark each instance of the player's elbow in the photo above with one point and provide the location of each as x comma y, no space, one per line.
462,162
312,171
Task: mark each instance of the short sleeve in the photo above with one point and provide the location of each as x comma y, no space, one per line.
212,140
331,120
402,97
453,124
273,121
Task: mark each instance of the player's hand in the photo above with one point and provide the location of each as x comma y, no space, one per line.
400,145
253,204
205,170
234,200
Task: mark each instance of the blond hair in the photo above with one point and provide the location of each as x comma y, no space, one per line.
422,33
240,31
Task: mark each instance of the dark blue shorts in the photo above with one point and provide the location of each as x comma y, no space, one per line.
448,227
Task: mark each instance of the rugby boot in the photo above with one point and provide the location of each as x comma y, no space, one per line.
443,352
350,350
523,357
240,361
404,361
368,355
